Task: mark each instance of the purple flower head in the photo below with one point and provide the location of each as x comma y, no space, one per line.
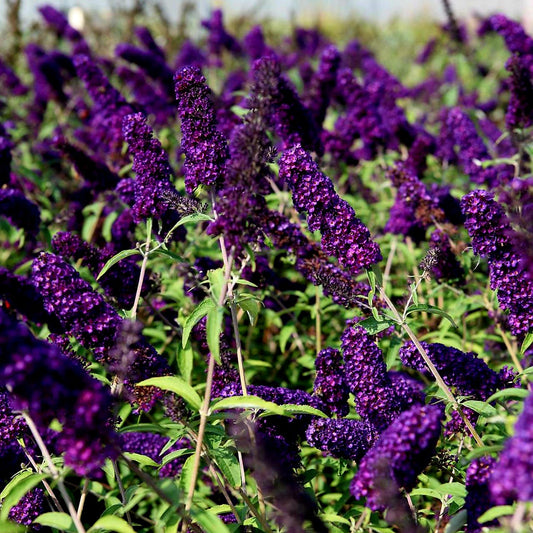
151,445
56,20
446,266
152,169
190,55
254,44
367,378
427,51
402,452
520,111
478,497
514,35
204,147
343,234
330,384
147,40
85,315
341,438
512,477
219,39
20,212
49,385
282,108
29,507
10,84
472,149
492,238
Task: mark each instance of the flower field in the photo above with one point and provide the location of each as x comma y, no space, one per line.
266,282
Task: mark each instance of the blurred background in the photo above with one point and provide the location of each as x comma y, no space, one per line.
300,11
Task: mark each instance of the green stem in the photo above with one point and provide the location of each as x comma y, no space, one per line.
145,254
438,378
318,324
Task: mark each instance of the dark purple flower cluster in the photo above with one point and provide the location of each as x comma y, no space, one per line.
330,384
342,438
219,39
20,211
520,110
32,369
204,147
255,45
472,150
151,445
446,267
56,20
367,378
514,35
512,477
492,239
29,507
478,497
400,454
343,234
286,115
10,83
85,315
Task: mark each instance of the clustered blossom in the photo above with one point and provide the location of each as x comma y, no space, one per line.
343,234
84,314
447,267
9,82
341,438
401,452
367,378
520,109
514,35
29,507
472,150
512,477
20,211
204,147
59,23
492,239
330,384
478,497
219,39
151,445
31,368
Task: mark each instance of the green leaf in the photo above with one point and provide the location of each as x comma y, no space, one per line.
186,474
217,281
528,341
14,491
252,307
228,463
112,523
285,335
294,409
483,408
454,489
519,394
61,521
199,312
115,259
173,455
210,523
432,493
374,326
213,329
195,217
10,527
496,512
185,362
432,310
167,253
457,522
247,402
177,386
335,518
143,460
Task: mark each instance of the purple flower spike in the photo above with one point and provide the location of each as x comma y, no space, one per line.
520,111
512,478
29,507
10,83
367,378
20,211
478,497
330,384
341,438
204,147
400,454
343,234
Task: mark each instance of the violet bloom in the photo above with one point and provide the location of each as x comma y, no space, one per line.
20,212
322,84
447,267
400,454
330,384
147,40
84,314
512,477
367,378
343,234
255,45
10,83
151,445
341,438
515,37
204,147
287,116
29,507
189,55
31,368
492,239
472,148
520,111
219,39
6,145
478,497
56,20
